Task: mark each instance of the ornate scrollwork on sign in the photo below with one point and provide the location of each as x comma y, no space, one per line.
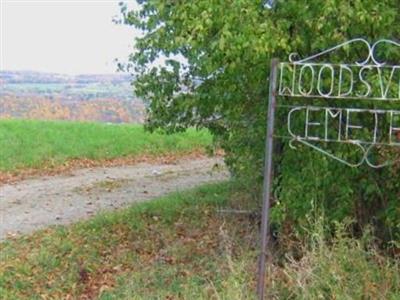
371,50
366,78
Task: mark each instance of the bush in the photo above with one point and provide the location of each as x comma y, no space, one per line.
215,76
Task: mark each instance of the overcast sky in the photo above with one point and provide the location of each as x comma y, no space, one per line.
63,36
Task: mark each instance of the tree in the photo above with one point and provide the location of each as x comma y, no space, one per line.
215,77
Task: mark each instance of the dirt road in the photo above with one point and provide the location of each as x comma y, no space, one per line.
36,203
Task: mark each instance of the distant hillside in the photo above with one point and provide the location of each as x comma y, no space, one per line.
41,77
99,97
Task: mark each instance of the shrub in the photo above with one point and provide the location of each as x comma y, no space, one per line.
215,76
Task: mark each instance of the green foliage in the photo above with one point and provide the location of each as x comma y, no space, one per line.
40,144
216,77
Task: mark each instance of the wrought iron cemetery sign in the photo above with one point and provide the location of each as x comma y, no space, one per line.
331,104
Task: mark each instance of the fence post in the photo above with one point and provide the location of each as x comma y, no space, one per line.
268,178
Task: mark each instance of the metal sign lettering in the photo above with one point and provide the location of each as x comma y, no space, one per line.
345,81
352,104
368,79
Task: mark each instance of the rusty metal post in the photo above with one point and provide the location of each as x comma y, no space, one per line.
268,176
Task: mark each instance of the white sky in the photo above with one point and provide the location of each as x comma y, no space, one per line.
62,36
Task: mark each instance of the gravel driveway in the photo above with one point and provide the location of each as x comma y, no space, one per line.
36,203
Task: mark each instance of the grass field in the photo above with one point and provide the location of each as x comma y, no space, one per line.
182,247
35,144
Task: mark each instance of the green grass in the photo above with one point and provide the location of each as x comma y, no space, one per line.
181,247
34,144
165,244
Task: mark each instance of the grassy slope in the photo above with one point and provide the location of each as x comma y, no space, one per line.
181,247
33,144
